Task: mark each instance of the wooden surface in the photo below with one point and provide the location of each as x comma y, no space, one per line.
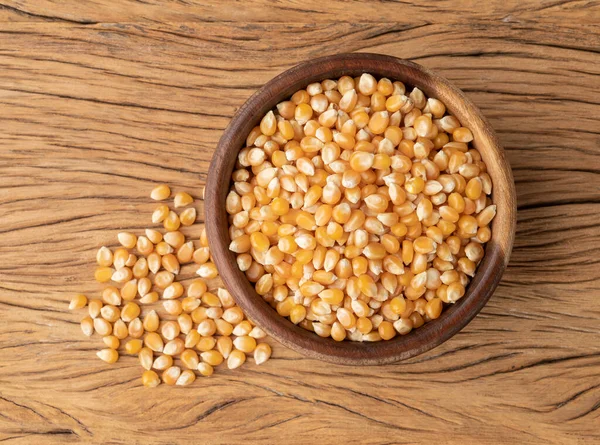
99,99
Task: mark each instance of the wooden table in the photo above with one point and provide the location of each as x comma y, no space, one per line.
100,100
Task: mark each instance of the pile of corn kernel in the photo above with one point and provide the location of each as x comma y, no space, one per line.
193,332
359,209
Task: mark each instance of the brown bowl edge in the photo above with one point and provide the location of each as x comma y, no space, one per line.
455,317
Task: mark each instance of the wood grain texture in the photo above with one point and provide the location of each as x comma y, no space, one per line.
98,100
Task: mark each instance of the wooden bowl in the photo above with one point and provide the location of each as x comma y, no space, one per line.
454,317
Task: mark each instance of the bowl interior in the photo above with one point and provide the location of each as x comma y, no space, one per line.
454,317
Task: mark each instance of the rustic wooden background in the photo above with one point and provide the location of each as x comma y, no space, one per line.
100,99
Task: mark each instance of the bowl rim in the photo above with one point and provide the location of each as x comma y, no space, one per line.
454,317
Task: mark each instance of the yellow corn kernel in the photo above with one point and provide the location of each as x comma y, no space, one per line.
208,270
434,308
364,325
87,326
110,313
233,315
323,214
403,326
360,265
174,347
273,256
367,286
187,377
185,323
213,358
103,274
424,245
134,346
130,261
149,298
224,345
332,296
201,255
386,330
188,217
173,307
146,358
284,308
259,241
104,257
203,344
415,185
462,134
305,220
120,330
381,161
171,375
297,313
120,258
485,216
135,328
190,359
160,213
269,228
207,327
468,224
94,308
102,326
264,284
245,344
77,302
108,355
310,288
262,353
205,369
154,342
361,161
160,192
172,221
287,244
192,339
223,327
140,268
398,305
150,379
163,362
379,121
122,275
346,318
182,199
236,357
280,206
163,279
127,239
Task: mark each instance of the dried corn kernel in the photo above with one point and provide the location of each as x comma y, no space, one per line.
160,192
370,211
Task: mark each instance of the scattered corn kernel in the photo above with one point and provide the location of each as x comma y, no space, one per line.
160,193
117,317
182,199
262,353
77,302
150,379
104,257
236,359
103,274
127,239
108,355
